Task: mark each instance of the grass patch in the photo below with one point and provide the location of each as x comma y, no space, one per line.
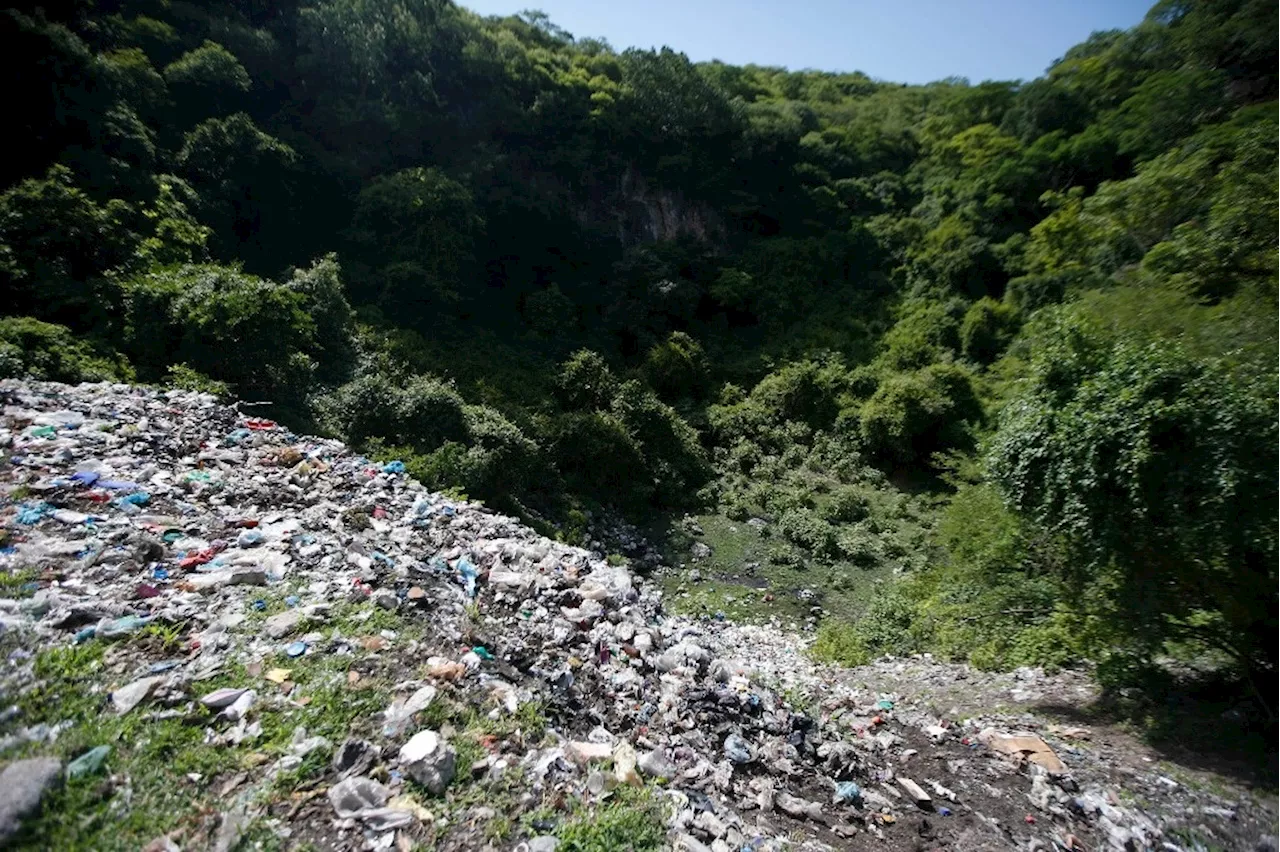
20,583
632,819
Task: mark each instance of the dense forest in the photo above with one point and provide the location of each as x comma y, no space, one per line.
991,367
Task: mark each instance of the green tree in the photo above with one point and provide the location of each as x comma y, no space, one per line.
1154,459
208,81
419,228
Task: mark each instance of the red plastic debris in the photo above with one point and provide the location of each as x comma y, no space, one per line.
259,423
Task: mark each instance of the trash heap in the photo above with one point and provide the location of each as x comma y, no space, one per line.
232,573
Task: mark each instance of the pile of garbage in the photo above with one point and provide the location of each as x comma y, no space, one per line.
522,682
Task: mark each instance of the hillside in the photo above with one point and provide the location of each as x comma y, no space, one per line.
225,635
980,370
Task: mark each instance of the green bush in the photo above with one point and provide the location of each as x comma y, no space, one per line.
804,391
913,415
585,382
987,329
56,244
427,412
925,332
839,642
675,461
677,367
41,350
1151,456
598,456
805,529
846,505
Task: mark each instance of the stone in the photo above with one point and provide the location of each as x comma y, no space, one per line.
282,624
23,784
429,760
354,757
543,843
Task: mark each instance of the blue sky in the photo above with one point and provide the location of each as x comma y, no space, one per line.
908,41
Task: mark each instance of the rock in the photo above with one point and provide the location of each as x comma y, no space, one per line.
282,624
700,550
23,784
351,796
543,843
128,697
429,760
386,599
354,757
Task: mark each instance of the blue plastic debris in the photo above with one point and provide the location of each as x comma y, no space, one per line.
884,704
32,513
468,573
259,605
291,601
85,634
137,498
737,750
159,573
237,435
945,811
296,649
396,466
849,792
85,477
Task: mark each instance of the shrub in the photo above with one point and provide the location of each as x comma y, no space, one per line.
501,459
913,415
677,367
1152,458
41,350
805,529
839,642
804,391
596,453
427,413
585,382
675,460
924,333
56,243
550,312
987,329
846,505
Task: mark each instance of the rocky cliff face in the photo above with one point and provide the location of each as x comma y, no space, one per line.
219,632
